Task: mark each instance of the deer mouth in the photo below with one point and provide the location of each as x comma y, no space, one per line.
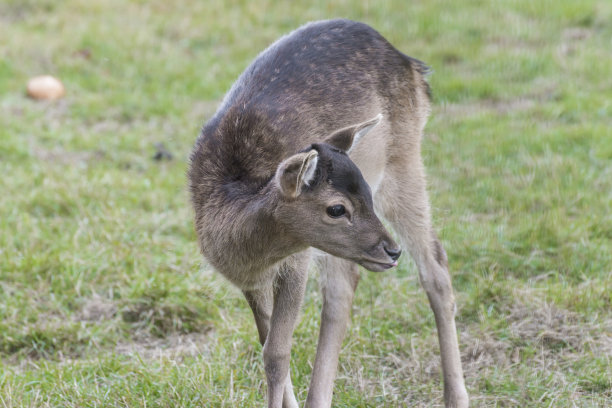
376,266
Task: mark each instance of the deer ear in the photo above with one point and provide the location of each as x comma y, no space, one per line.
295,172
345,139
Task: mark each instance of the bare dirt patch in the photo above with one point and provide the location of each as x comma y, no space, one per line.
500,107
559,335
96,309
571,39
65,157
175,346
544,90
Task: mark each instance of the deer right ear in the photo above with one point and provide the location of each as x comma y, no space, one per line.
345,139
295,172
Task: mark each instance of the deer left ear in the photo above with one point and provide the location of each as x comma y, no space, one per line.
295,172
347,138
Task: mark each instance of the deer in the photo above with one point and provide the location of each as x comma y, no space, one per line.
318,138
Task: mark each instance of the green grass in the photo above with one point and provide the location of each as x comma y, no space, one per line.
104,299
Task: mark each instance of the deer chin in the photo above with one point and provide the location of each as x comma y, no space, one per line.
376,266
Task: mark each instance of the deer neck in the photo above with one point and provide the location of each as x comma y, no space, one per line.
250,240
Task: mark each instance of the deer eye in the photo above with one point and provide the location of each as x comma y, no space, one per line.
336,211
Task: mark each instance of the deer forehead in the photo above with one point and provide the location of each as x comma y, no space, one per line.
344,177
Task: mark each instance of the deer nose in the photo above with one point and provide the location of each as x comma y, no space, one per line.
394,253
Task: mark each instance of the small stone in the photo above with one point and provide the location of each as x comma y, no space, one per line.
45,87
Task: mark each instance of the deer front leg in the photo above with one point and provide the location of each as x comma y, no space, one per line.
403,200
288,294
261,302
339,281
434,276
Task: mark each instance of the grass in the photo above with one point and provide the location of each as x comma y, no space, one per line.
104,300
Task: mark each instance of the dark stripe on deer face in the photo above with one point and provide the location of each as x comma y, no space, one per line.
339,171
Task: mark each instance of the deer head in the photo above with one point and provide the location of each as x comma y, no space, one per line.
326,203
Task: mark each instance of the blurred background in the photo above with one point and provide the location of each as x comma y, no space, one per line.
105,301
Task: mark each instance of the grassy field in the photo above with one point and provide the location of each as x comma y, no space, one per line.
105,301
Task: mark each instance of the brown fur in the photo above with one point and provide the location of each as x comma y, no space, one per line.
273,160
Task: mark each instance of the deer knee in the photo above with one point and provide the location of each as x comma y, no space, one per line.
437,284
338,293
276,365
337,302
337,307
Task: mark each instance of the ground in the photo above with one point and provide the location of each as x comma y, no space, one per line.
105,301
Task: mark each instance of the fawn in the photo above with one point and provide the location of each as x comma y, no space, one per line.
321,133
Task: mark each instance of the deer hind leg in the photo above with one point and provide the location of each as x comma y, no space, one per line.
402,199
339,280
275,311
